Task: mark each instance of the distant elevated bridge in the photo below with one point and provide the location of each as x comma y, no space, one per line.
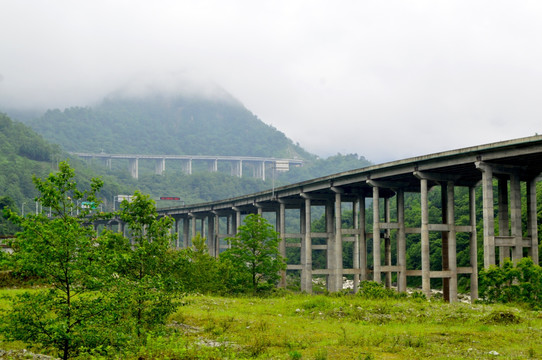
258,165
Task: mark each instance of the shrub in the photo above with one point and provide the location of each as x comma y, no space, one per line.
374,290
521,283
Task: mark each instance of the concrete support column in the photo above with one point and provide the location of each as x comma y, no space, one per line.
211,235
160,166
473,245
376,235
237,168
186,231
356,259
213,165
387,242
177,232
504,251
193,222
228,224
452,244
401,242
336,263
515,217
203,228
231,226
281,217
488,216
306,248
187,166
362,240
330,241
134,168
426,261
217,235
444,234
259,169
237,220
532,228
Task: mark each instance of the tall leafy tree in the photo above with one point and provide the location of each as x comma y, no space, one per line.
73,313
144,265
255,255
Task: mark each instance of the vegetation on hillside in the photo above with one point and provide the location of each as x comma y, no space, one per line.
161,124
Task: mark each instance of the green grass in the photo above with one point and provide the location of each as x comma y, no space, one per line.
296,326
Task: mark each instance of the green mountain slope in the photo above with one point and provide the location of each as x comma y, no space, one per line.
22,154
160,124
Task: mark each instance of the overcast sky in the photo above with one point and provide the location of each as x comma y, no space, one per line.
383,79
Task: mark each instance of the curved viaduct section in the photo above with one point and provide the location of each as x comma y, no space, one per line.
507,164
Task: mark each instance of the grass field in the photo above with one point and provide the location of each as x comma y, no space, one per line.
297,326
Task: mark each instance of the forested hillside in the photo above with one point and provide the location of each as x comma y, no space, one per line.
22,154
161,124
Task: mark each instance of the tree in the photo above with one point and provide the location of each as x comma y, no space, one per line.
255,255
74,312
520,283
144,264
197,270
6,227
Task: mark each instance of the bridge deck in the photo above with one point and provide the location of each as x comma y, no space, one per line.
524,155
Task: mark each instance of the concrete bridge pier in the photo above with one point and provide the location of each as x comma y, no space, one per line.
133,167
504,251
532,227
176,232
509,244
212,235
382,230
213,165
449,251
401,241
237,168
515,217
186,232
160,166
186,166
387,242
377,274
306,246
473,245
258,170
281,227
335,243
360,256
426,264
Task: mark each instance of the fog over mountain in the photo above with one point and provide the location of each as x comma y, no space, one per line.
385,79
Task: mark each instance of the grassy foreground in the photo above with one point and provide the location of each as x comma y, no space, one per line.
297,326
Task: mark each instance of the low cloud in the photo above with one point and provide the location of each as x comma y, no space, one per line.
385,80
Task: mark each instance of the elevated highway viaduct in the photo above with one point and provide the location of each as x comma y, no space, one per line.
258,165
497,171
